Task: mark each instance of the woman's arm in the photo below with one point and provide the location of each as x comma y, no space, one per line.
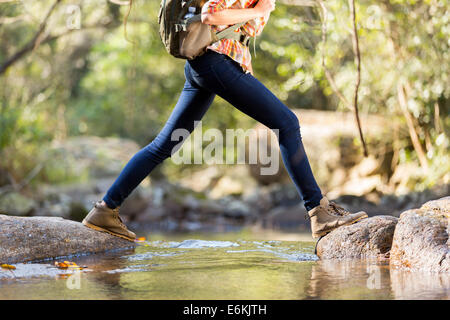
232,16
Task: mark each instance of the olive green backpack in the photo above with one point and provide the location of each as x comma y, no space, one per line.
188,38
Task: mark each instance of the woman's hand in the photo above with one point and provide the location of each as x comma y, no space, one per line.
250,68
264,7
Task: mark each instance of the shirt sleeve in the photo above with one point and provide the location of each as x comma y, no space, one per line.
216,5
255,26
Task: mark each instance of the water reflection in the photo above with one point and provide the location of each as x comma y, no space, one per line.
104,282
420,285
227,267
365,279
349,279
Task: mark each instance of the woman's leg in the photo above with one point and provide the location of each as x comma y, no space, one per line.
191,106
250,96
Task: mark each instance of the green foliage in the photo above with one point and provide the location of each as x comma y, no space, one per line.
93,82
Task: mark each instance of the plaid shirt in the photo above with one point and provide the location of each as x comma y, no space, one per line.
233,48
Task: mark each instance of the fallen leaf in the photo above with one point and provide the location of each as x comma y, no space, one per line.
61,265
68,264
140,239
8,266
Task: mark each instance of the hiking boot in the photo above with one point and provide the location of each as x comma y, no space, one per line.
328,216
103,218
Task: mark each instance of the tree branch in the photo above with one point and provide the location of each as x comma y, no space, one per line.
403,102
357,54
328,74
32,44
330,77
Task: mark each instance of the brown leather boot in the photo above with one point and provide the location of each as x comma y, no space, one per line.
103,218
328,216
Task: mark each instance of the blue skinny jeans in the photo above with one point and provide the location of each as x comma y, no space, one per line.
207,75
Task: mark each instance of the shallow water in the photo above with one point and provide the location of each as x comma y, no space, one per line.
238,265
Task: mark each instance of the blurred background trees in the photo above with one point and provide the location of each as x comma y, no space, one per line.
66,70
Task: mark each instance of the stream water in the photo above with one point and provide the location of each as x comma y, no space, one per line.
232,265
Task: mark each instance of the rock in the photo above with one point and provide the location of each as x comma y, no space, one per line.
236,182
285,217
227,186
216,181
367,167
356,203
73,201
86,157
78,172
421,240
361,186
26,239
406,176
13,203
236,209
173,202
368,238
202,180
368,176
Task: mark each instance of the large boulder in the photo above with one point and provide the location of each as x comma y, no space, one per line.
24,239
421,239
368,238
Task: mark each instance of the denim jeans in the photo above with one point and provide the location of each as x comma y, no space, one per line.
207,75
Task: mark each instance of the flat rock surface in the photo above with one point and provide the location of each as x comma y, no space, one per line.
368,238
421,238
24,239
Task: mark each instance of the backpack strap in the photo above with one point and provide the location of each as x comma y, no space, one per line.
227,33
239,36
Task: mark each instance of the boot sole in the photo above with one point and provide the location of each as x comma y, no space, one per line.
89,225
320,234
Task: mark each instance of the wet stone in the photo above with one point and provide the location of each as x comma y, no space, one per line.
368,238
24,239
421,239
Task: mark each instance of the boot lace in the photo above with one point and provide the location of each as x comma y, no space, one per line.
121,222
336,209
